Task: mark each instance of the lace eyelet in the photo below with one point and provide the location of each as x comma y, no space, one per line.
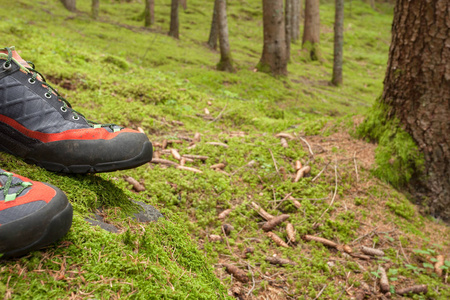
63,109
31,81
48,95
75,118
7,65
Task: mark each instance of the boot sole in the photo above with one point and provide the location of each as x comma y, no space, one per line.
140,159
27,229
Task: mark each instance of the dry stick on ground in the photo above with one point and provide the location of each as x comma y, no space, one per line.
191,156
253,280
285,197
415,289
136,185
275,163
261,211
356,168
272,223
334,196
163,162
220,114
320,293
218,144
309,147
320,240
317,176
189,169
226,239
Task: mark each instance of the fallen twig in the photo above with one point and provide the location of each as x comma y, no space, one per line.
274,163
261,211
189,169
309,147
163,162
360,256
191,156
356,167
320,240
317,176
220,114
334,195
218,144
136,185
320,293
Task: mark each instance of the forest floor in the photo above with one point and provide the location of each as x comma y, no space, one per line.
240,138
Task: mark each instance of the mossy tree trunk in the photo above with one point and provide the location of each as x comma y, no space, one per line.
183,4
338,42
288,14
95,8
273,59
311,29
417,92
214,32
174,21
149,13
71,5
226,62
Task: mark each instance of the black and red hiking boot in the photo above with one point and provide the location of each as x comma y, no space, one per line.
32,214
39,125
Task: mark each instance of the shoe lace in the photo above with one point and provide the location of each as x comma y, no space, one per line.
51,90
5,188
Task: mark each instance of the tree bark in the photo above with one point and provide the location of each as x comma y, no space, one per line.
288,14
417,92
149,13
71,5
214,32
95,8
311,29
273,59
183,4
295,16
226,62
174,21
338,42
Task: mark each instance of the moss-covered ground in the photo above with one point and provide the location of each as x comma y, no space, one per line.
114,70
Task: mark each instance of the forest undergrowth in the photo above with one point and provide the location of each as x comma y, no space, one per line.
265,190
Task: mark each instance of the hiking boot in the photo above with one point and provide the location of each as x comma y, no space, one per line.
32,214
39,125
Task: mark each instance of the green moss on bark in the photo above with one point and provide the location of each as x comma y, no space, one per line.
397,155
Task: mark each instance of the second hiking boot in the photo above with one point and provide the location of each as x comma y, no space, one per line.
39,125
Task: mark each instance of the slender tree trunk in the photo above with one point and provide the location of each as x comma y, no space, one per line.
338,42
273,58
417,92
226,62
183,4
288,27
95,8
311,29
149,13
71,5
174,21
214,32
295,13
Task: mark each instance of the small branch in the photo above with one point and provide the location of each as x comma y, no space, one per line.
220,114
309,147
320,293
253,280
356,167
317,176
334,195
275,163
